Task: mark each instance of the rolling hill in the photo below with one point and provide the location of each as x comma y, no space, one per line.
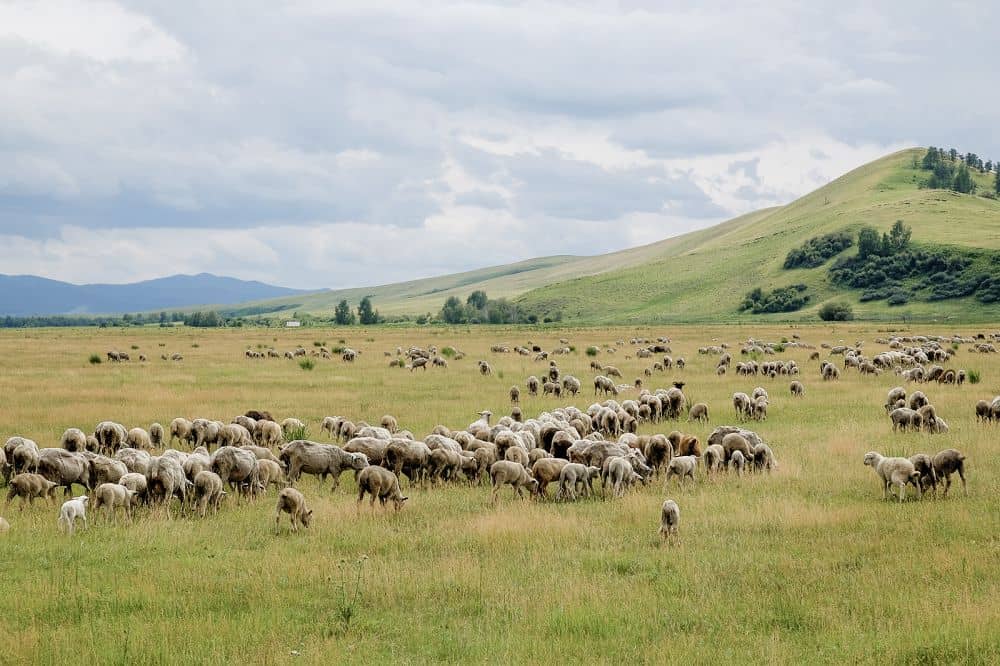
704,275
22,295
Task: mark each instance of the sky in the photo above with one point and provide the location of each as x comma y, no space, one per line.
317,144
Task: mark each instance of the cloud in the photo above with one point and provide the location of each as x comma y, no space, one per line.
157,138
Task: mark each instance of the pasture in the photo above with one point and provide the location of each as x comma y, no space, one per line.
805,565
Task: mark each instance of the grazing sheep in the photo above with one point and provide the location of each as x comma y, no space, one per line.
292,502
904,418
618,475
893,471
208,491
735,441
73,440
156,434
547,471
28,486
532,385
948,462
72,510
681,467
714,457
983,411
238,468
699,412
743,405
269,472
925,467
138,438
670,518
113,496
25,456
895,395
762,457
382,484
797,389
303,456
65,468
182,430
738,462
137,484
917,400
506,472
515,394
575,476
389,423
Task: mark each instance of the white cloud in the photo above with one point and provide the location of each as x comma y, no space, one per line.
299,142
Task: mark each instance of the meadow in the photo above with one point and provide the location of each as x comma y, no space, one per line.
805,565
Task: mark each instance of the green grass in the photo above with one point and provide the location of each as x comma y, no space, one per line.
807,565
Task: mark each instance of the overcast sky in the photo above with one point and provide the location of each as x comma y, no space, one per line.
331,144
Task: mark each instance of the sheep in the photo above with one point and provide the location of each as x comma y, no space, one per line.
797,389
408,457
670,517
73,440
760,409
111,436
762,457
389,422
65,468
208,491
504,472
320,459
571,385
28,486
72,510
269,472
742,405
137,484
485,369
735,441
290,424
618,475
925,467
105,470
699,412
156,435
25,456
382,484
138,438
681,467
445,464
532,384
574,476
134,460
684,445
546,471
893,396
237,467
738,462
182,430
269,433
948,462
292,502
983,412
714,457
166,479
515,395
917,400
904,418
114,495
893,471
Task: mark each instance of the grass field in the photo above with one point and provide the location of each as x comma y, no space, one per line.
807,565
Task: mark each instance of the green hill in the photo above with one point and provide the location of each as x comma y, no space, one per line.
705,274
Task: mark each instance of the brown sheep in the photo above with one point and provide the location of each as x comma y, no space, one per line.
382,484
292,502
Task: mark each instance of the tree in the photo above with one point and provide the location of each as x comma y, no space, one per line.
836,312
953,154
869,242
996,184
453,311
163,317
931,159
897,239
477,299
366,315
342,314
963,182
989,165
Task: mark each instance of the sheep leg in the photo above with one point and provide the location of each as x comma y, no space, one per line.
961,475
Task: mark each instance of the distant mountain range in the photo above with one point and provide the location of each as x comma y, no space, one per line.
23,295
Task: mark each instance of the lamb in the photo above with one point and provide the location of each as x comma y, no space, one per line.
574,476
699,412
893,471
797,389
28,486
619,475
331,425
269,472
208,491
114,495
72,510
505,472
73,440
382,484
948,462
681,467
292,502
670,517
738,462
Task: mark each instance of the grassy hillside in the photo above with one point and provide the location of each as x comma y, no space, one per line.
706,276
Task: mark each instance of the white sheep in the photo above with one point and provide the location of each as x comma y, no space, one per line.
894,471
670,518
682,466
71,510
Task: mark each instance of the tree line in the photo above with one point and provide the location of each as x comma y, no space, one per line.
952,171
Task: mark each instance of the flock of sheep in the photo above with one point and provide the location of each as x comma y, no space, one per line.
565,446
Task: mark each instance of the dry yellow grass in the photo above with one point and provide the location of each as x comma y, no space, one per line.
805,565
